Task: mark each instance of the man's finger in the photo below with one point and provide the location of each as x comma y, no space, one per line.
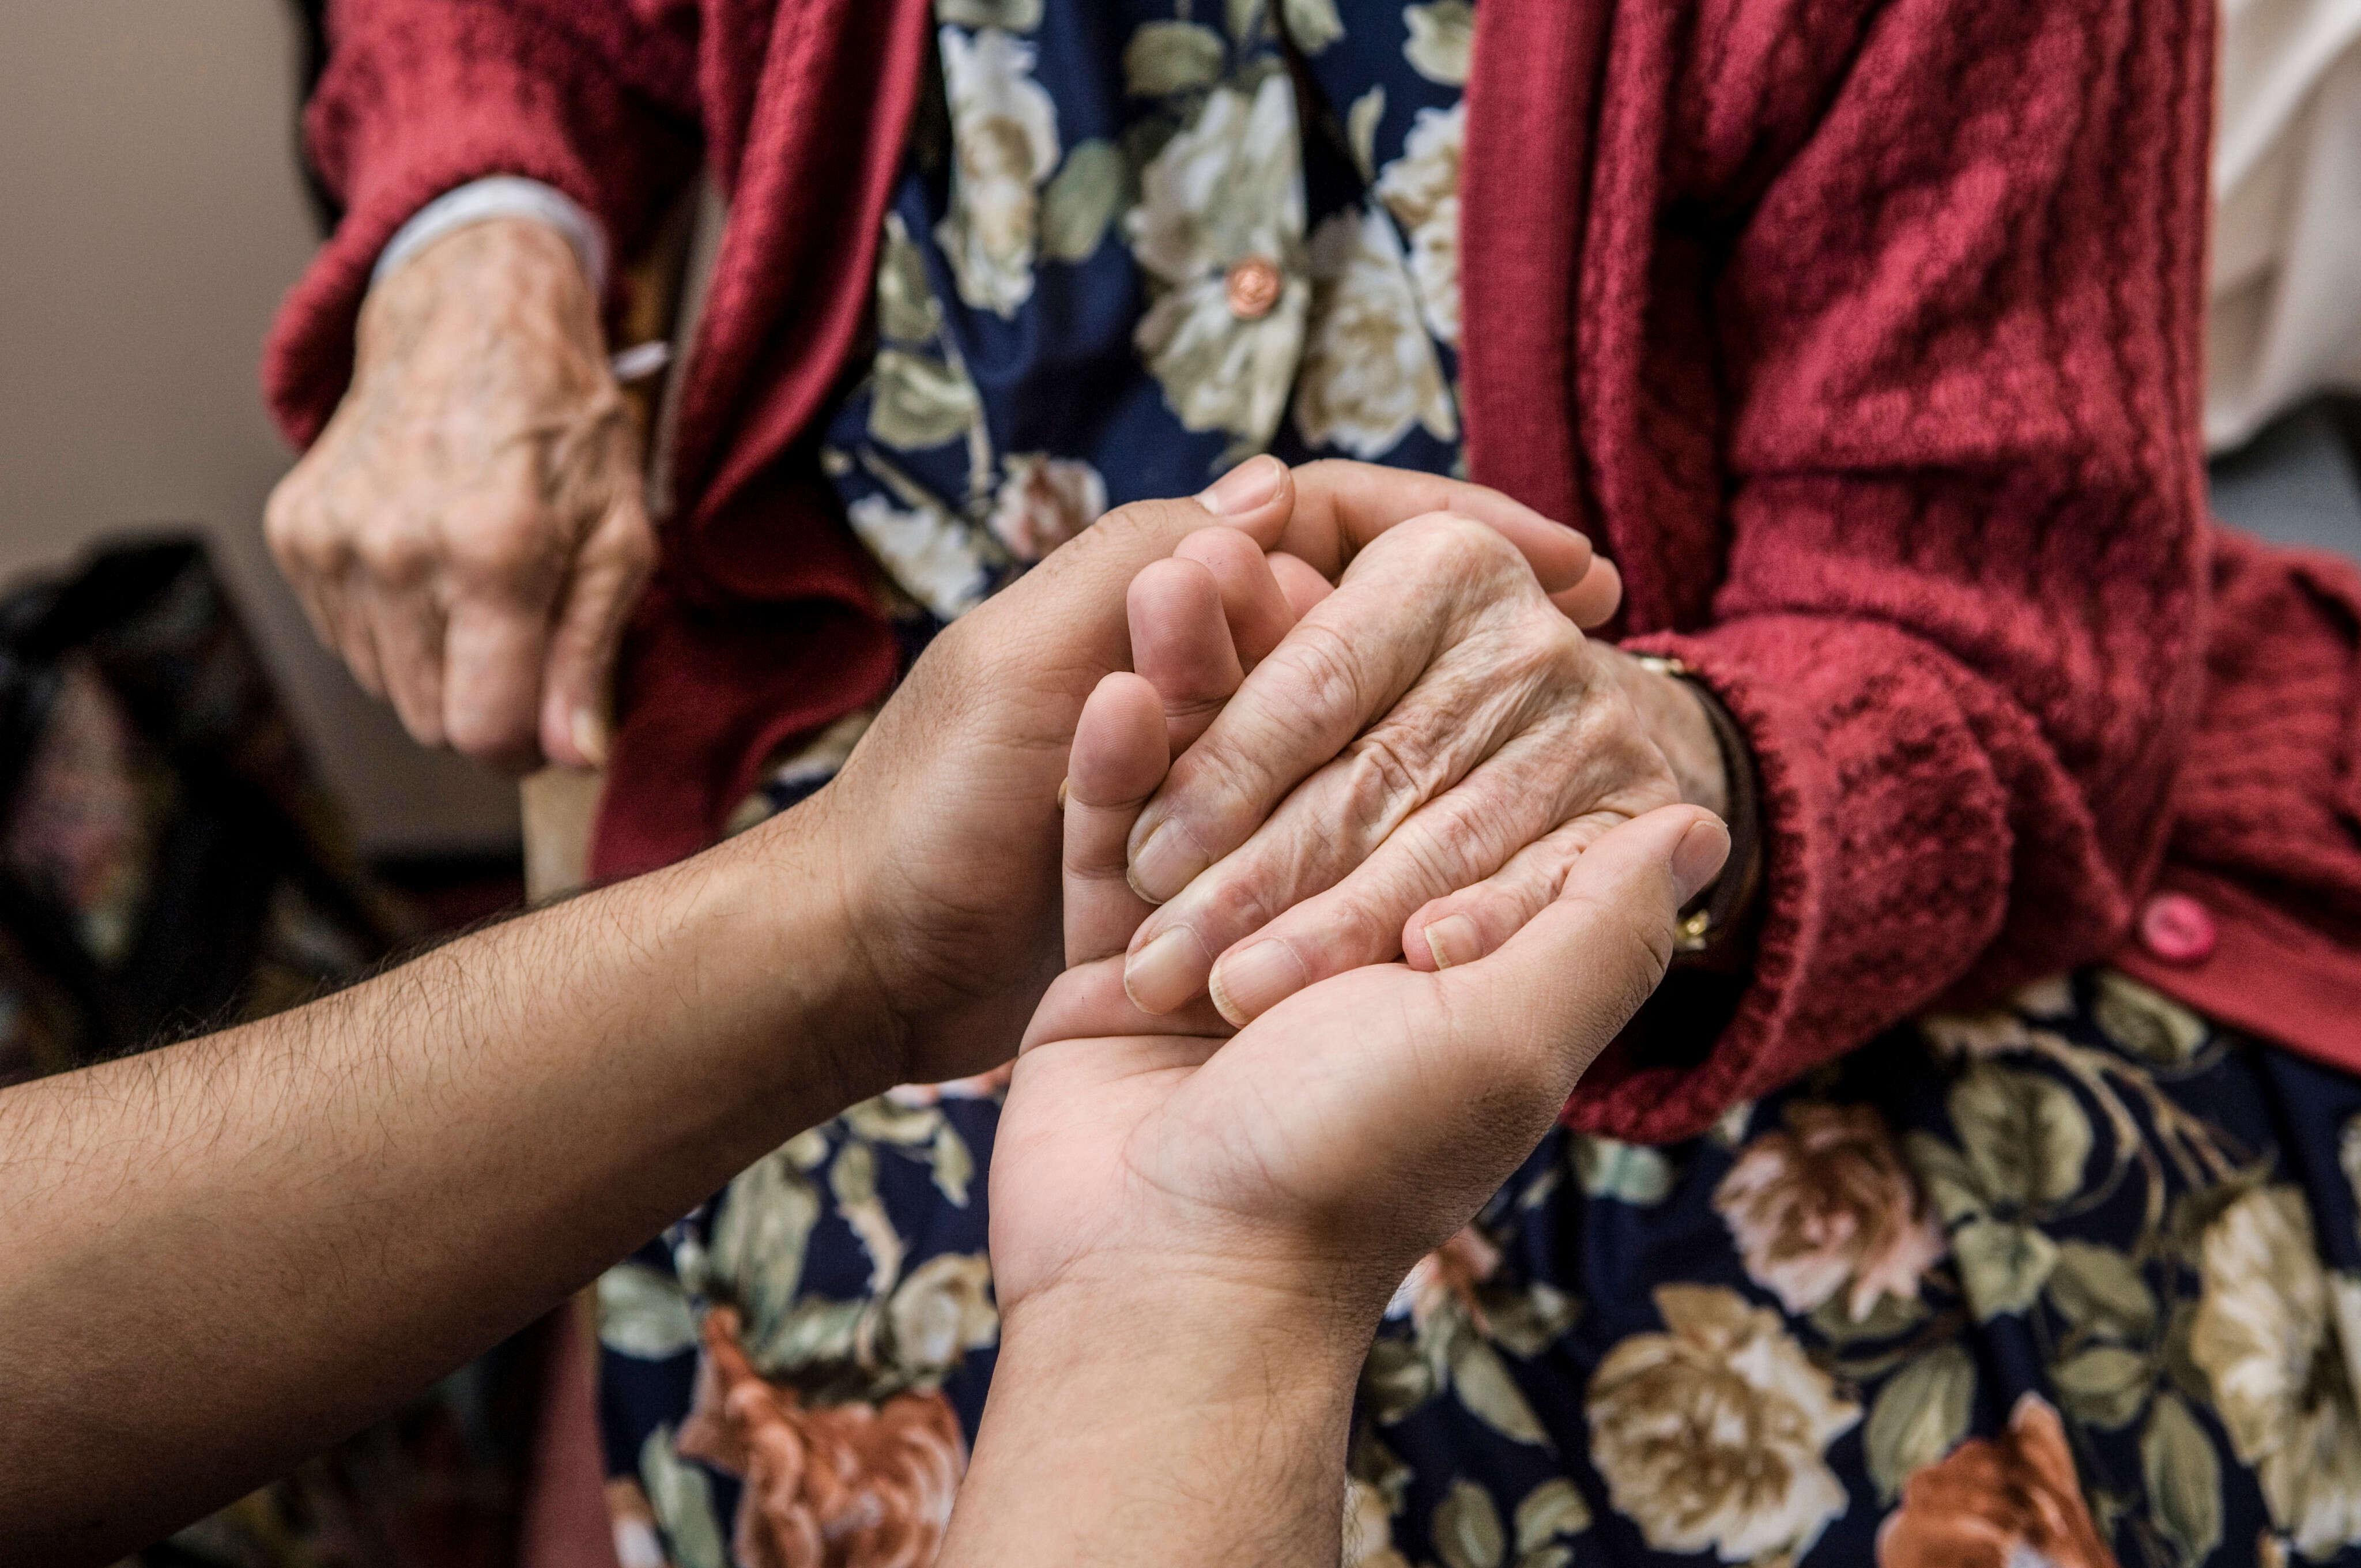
578,692
1180,643
1252,600
1118,759
1593,601
1341,507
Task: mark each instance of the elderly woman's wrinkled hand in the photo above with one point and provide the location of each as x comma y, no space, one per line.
469,534
1411,770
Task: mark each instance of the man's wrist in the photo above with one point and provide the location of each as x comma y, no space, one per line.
774,899
1120,1405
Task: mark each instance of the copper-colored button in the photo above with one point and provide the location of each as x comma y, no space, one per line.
1254,288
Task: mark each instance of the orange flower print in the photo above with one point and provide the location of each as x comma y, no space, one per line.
1824,1206
851,1486
1450,1273
2002,1502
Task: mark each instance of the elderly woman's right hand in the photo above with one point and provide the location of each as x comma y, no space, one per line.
470,531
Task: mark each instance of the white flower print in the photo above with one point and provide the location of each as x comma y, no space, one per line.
1043,502
1441,39
2271,1335
931,553
1715,1434
1420,188
1369,370
1227,188
1005,131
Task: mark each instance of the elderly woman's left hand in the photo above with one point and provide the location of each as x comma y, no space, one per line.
1412,771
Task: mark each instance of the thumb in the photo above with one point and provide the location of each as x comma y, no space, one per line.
577,693
1563,987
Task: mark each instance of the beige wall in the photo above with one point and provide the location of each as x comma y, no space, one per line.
150,217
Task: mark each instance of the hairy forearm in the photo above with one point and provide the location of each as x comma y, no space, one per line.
1165,1419
224,1255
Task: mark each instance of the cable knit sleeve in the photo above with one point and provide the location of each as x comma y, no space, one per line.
1951,295
599,101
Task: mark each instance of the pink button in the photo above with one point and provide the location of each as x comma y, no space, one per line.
2176,928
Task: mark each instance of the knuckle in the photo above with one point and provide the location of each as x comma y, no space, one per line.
503,555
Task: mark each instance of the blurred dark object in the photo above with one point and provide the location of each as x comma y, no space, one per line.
310,60
170,863
2298,480
454,892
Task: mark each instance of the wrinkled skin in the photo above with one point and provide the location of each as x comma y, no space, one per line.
470,531
1412,769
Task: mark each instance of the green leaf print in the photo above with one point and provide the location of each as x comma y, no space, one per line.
1480,1379
643,1313
756,1257
1245,20
2002,1265
682,1499
1629,1173
1944,1176
1525,1321
1920,1415
1551,1510
908,311
2105,1385
1165,58
1312,25
1014,16
954,1167
2026,1136
1466,1528
1078,204
917,400
2184,1479
2099,1290
2145,1023
1395,1380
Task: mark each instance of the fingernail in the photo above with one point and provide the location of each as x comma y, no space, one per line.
1697,860
1167,972
590,735
1453,940
1244,488
1167,860
1246,985
1064,787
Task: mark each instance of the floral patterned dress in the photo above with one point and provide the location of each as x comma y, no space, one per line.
2076,1282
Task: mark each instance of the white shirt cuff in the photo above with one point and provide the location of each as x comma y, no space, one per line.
500,196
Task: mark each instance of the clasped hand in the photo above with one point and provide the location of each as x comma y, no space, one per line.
1347,1127
1366,1108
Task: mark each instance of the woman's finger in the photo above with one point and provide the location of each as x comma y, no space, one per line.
1343,666
1474,922
1118,758
578,692
408,634
1556,993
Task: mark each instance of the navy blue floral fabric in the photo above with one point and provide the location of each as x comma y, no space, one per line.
2076,1282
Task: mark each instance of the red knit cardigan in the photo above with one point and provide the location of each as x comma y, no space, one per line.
1863,333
